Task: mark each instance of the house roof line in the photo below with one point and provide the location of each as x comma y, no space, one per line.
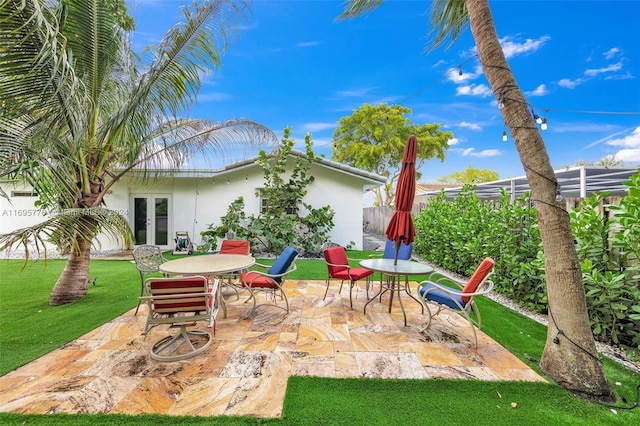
239,165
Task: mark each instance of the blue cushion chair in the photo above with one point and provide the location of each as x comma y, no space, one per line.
404,253
457,297
271,280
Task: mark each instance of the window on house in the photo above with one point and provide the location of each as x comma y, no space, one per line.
264,204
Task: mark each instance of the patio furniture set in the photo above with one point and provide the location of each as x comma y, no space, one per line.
190,289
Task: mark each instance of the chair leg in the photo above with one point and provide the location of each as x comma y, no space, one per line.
165,348
141,294
327,290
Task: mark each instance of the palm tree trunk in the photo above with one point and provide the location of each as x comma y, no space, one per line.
73,283
570,356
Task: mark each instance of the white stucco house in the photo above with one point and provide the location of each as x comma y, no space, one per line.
190,200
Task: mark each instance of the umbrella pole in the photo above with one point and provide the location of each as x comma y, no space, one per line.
395,260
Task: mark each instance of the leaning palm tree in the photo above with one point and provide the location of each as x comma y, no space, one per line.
570,356
79,110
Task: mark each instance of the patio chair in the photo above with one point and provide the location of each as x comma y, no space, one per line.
338,268
233,247
460,299
404,253
181,302
270,281
148,259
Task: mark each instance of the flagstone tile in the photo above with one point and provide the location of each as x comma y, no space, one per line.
390,365
346,365
210,397
436,354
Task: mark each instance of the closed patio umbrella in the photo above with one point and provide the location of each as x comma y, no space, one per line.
401,228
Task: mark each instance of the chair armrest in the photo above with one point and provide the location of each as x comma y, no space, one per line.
339,265
251,276
487,286
437,277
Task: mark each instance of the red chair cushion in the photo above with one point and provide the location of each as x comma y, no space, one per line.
177,286
478,276
337,256
235,247
256,280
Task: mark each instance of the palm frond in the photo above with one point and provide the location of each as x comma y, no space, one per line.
36,69
354,8
448,19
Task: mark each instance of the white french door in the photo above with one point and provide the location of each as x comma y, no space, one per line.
150,219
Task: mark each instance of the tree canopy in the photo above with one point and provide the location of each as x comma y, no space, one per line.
80,109
373,139
470,175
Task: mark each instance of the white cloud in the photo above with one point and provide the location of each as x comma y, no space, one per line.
471,126
316,127
541,90
630,145
513,48
357,93
471,152
629,155
611,53
629,141
453,141
481,90
569,84
611,68
308,44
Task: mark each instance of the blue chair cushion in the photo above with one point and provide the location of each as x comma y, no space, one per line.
439,296
283,262
390,250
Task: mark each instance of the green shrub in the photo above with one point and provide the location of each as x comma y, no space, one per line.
457,234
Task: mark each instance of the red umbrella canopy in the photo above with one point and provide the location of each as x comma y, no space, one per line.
401,228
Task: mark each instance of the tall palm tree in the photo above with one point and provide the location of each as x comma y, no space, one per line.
79,110
570,356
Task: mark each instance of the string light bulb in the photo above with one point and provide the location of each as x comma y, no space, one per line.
501,102
460,73
543,124
504,136
559,197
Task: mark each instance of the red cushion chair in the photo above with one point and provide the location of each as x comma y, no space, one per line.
460,299
339,268
231,280
180,302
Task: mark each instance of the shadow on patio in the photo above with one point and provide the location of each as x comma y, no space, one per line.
245,370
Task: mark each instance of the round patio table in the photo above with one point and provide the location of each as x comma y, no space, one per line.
209,265
395,284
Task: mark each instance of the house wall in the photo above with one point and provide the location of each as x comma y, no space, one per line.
196,202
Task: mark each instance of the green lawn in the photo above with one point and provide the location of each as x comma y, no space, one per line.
30,328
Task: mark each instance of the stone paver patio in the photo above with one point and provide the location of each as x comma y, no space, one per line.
245,370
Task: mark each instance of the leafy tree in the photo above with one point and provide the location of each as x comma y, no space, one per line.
373,139
606,161
80,110
470,175
570,355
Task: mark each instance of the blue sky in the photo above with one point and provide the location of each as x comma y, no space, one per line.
292,64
